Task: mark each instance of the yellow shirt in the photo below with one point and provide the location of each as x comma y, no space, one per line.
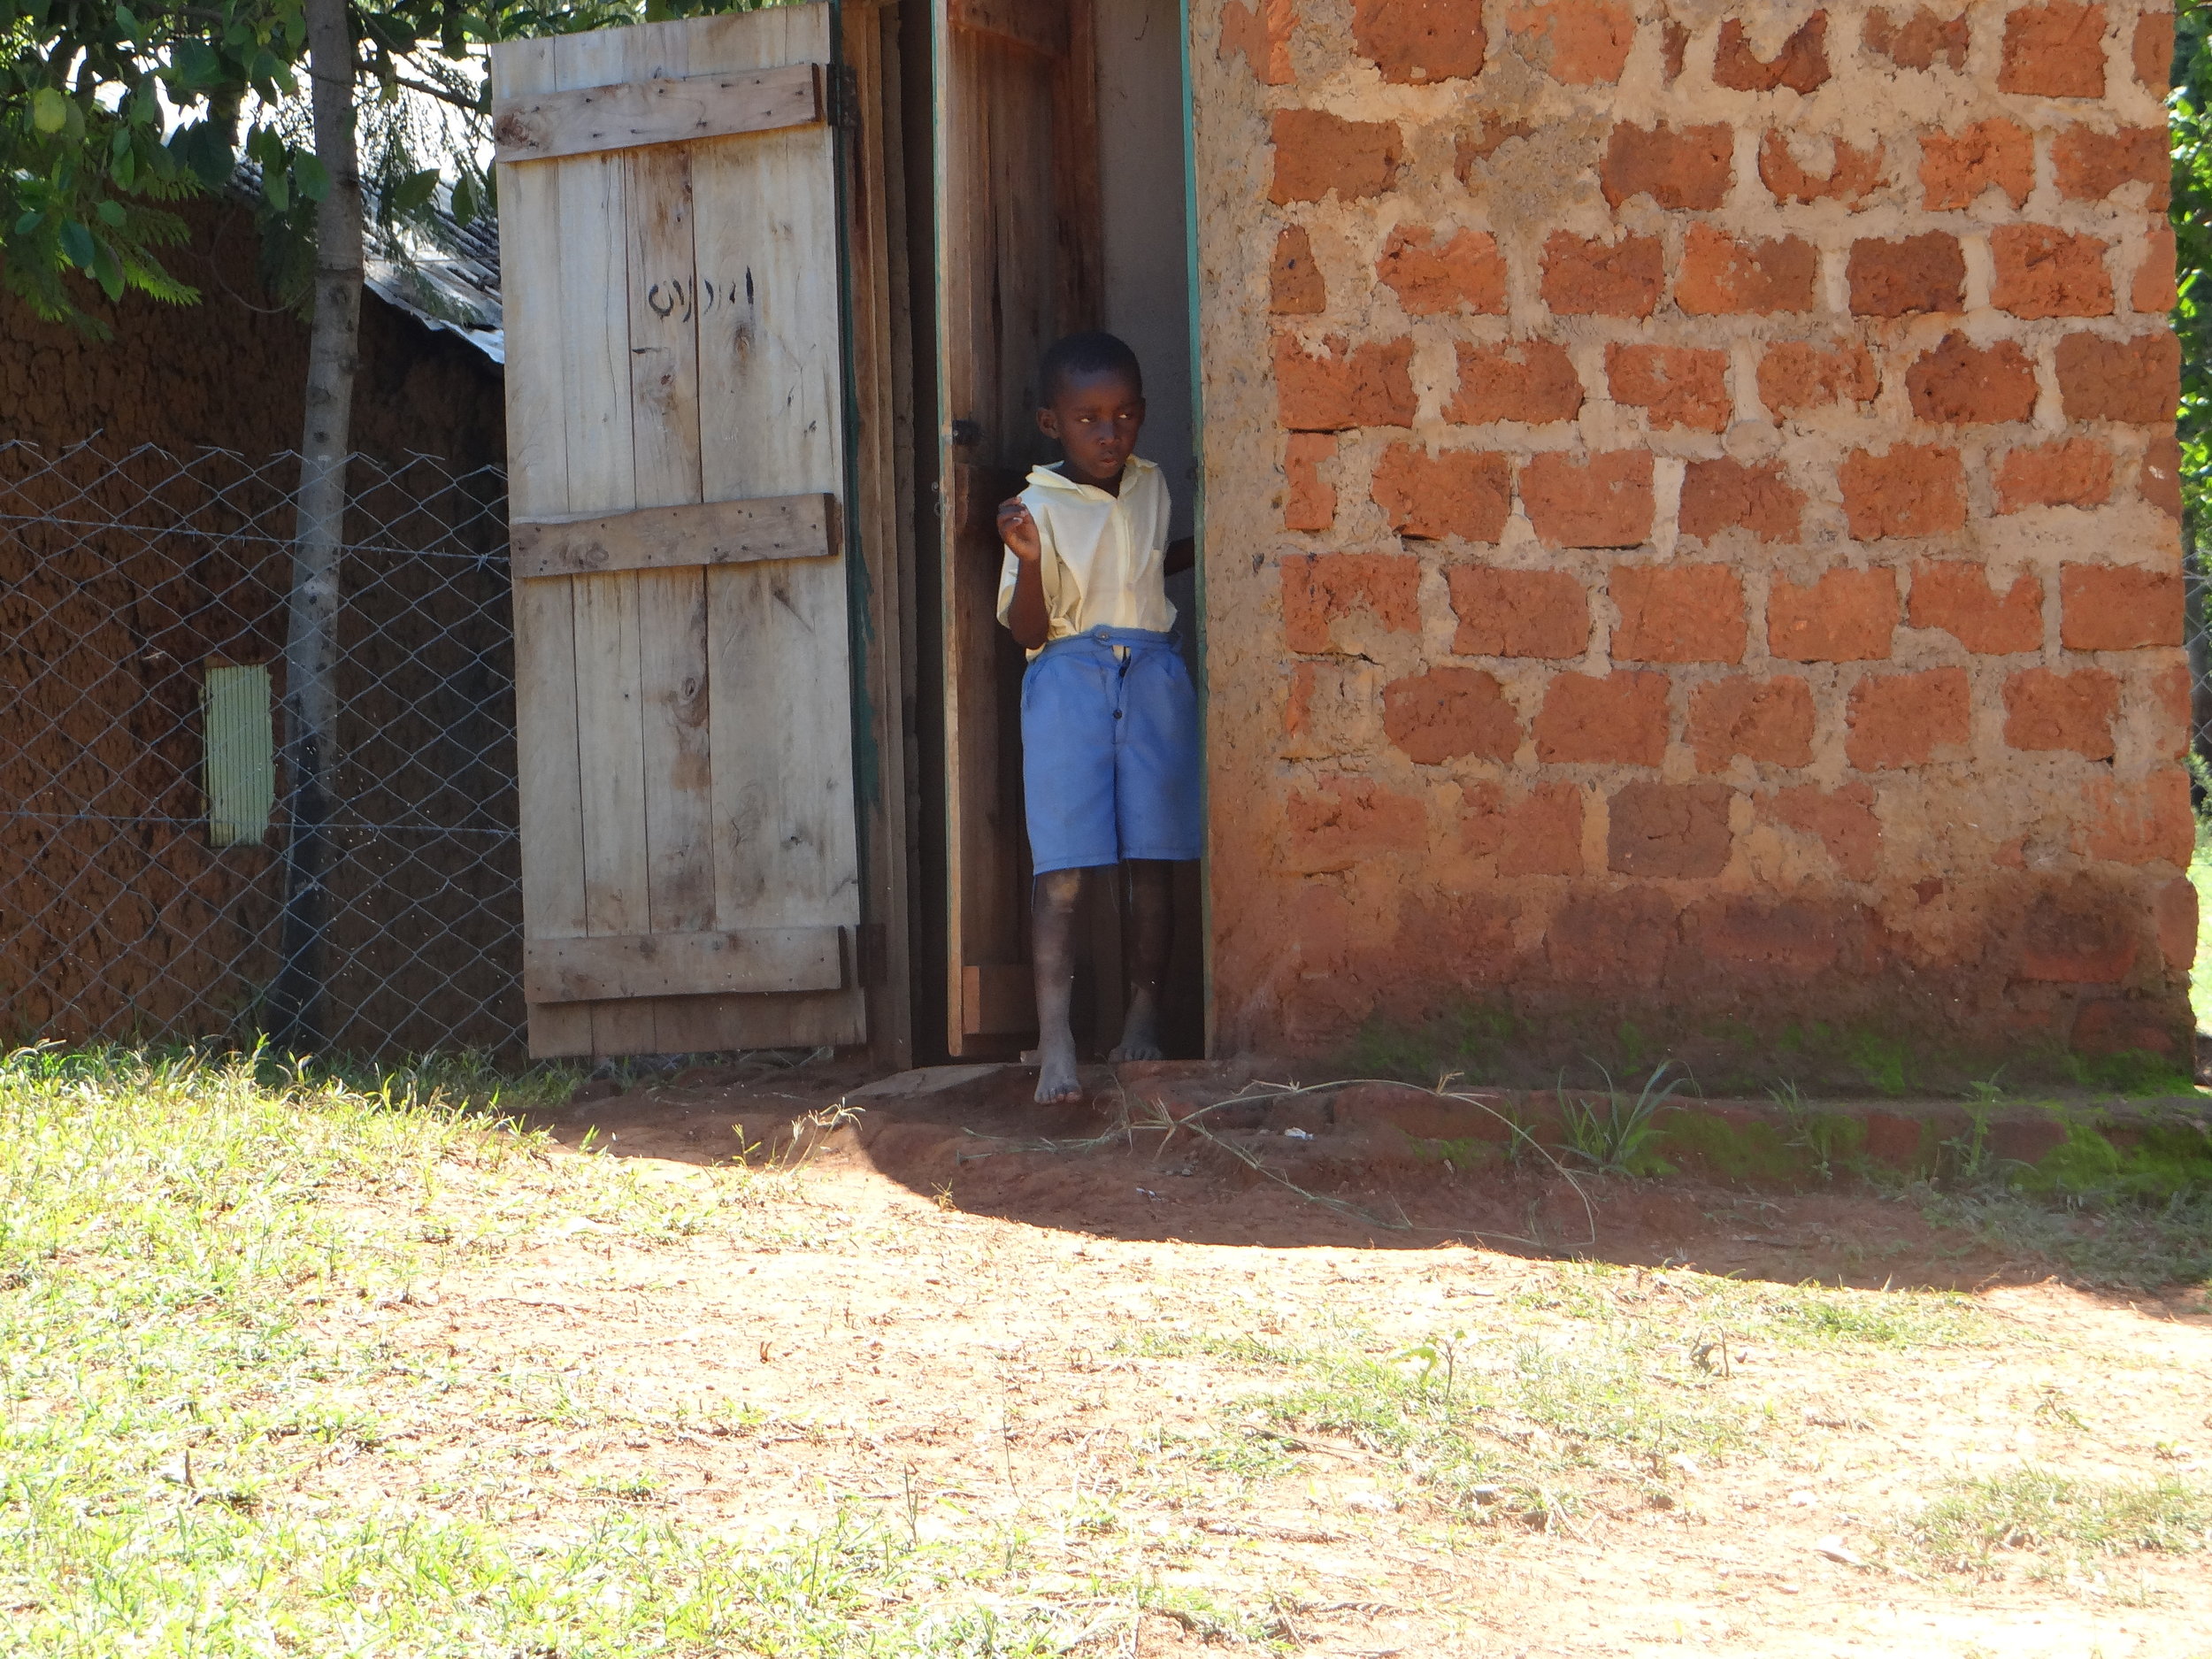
1103,562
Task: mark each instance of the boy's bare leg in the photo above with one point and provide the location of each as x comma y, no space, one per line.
1151,934
1053,900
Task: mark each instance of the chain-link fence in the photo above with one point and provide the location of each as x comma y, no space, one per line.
144,801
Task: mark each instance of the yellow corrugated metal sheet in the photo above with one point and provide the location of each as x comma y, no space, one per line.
239,771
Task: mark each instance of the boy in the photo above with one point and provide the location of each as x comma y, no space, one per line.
1109,720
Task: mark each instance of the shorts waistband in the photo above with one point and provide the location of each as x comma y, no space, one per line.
1113,636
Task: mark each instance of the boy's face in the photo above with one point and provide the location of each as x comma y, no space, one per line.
1096,418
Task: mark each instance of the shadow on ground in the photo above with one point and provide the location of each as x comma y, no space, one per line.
1215,1154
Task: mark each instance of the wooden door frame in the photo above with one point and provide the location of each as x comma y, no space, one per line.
920,86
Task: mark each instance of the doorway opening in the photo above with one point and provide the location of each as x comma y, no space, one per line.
1055,199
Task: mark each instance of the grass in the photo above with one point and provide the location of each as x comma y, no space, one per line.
175,1434
2062,1522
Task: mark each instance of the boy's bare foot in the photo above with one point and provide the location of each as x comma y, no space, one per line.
1057,1084
1140,1029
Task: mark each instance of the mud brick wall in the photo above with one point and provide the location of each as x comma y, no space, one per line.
123,569
1692,522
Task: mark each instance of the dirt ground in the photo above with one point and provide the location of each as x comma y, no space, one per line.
960,1330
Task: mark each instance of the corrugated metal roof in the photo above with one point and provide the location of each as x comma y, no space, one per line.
447,279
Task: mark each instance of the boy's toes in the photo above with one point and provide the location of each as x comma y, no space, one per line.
1058,1086
1137,1051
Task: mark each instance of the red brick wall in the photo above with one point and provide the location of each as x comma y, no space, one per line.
1690,521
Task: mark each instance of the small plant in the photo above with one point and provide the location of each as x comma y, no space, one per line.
1618,1137
1827,1139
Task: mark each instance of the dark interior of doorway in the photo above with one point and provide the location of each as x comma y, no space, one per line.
1045,191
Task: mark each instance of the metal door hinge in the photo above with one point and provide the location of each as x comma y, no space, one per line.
844,97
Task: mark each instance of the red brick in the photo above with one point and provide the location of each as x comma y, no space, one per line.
2090,165
1518,613
1796,374
1721,495
1914,273
1680,385
1320,588
1800,64
1416,42
1454,492
2151,292
2137,381
1348,821
2172,698
1316,153
2074,473
1579,43
1957,168
1295,286
1678,613
1721,276
1960,384
1751,937
1584,276
2153,50
1688,166
2175,908
1914,489
1852,174
1603,502
1540,834
2118,607
1368,384
1531,381
1955,595
1674,50
1845,616
1308,500
2044,710
1618,718
2077,938
1916,40
1261,32
2159,479
1769,720
1449,713
1667,829
2054,51
1609,940
1843,819
2145,823
2044,271
1903,720
1466,272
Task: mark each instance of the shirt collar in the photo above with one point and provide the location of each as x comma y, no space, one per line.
1051,477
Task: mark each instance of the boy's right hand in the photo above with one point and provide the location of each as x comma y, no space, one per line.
1019,530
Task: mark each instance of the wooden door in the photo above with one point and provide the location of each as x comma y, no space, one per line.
1018,266
685,484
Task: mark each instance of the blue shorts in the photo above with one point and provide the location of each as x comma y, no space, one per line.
1110,751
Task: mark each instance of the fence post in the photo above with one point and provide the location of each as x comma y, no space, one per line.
310,649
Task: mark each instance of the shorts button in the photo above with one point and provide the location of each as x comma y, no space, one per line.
1118,714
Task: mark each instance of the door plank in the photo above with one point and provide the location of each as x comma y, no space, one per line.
595,344
1016,241
678,537
1041,28
551,792
761,960
998,999
771,392
593,119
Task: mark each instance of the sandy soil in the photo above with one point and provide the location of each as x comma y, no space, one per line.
953,1333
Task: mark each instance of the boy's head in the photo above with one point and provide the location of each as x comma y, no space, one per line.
1093,404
